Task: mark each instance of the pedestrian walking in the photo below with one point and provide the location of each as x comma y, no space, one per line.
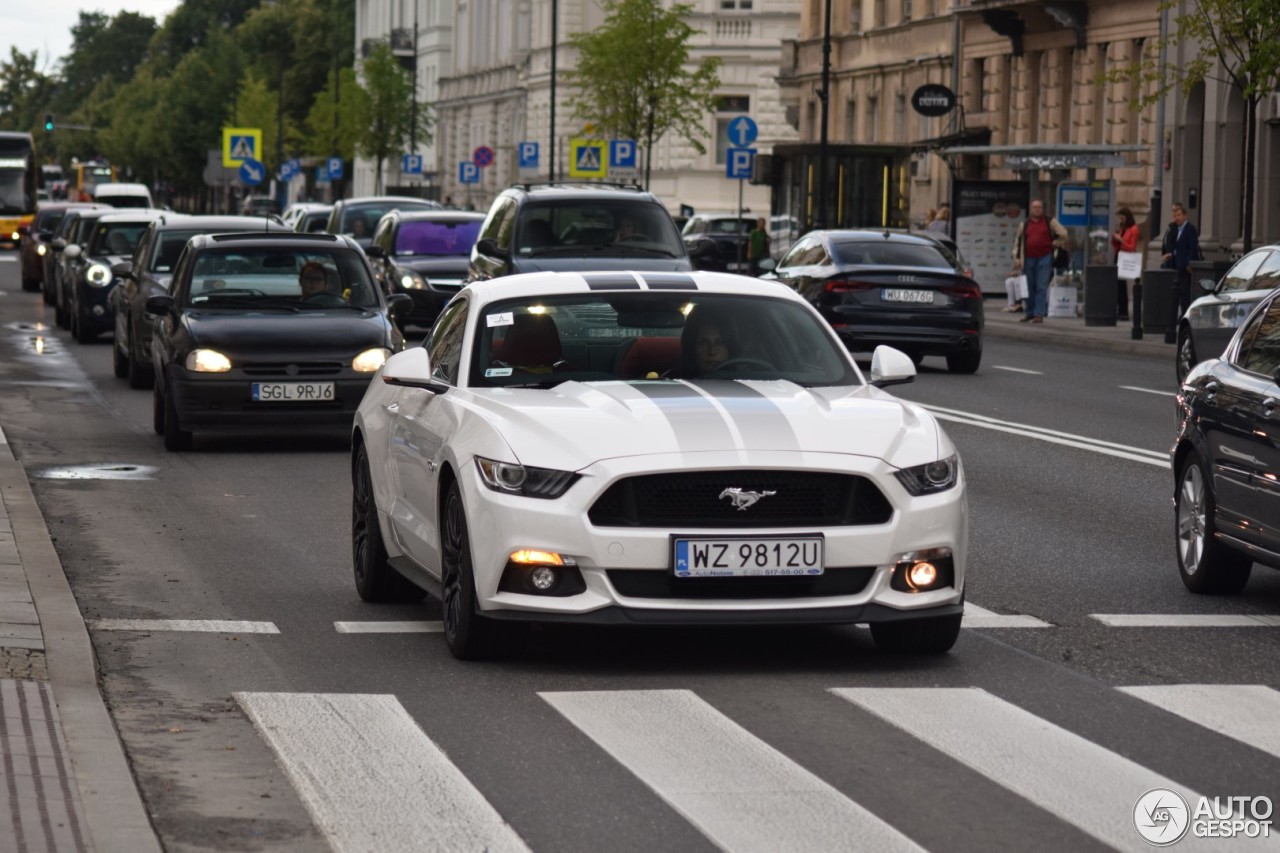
1125,239
757,245
941,223
1181,247
1033,247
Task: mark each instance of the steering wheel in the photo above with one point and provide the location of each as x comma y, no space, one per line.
743,361
331,300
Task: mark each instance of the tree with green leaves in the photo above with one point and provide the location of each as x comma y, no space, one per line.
389,120
1236,42
321,134
635,77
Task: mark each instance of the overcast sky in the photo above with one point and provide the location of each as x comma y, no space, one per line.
45,25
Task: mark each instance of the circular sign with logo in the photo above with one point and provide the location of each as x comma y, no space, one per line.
482,156
933,99
1161,817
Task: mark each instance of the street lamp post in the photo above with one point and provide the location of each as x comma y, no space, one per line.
825,95
555,36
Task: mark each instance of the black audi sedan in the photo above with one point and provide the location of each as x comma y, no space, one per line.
267,330
149,272
1226,459
881,287
424,254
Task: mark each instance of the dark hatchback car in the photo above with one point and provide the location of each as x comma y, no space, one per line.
112,240
877,287
424,255
267,330
567,228
729,234
358,217
1226,459
70,249
35,243
149,272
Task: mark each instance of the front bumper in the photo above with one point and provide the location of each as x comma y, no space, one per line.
927,340
94,304
224,402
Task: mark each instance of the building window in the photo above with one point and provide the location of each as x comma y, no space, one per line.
877,17
873,119
900,118
906,10
851,120
855,17
735,5
728,107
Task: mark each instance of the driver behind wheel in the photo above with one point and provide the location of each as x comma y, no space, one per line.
706,342
312,279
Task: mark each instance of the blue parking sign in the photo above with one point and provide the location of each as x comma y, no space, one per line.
528,155
411,164
334,168
468,173
622,154
738,163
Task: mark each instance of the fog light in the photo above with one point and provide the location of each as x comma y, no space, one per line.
923,570
98,310
542,578
922,575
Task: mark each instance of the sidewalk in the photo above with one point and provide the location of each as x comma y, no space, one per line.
1072,332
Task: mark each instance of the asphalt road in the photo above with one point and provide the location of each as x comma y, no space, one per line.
584,739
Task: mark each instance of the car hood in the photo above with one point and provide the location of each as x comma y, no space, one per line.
598,263
283,332
577,424
453,265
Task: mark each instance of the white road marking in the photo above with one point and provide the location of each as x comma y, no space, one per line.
1068,776
736,789
1018,370
1122,451
388,627
371,778
1245,712
216,626
1149,391
980,617
1185,620
8,258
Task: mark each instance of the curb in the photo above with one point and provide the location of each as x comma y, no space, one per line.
1151,346
112,805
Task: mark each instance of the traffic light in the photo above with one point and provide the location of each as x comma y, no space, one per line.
48,122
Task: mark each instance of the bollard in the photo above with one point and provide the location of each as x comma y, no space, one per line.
1100,295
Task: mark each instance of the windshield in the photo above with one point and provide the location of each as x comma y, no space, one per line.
315,222
437,238
116,238
166,247
136,201
13,192
622,228
883,253
268,278
47,220
654,335
361,220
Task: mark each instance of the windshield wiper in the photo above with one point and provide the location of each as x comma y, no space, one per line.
546,383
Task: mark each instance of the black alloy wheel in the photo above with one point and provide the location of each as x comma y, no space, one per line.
1207,566
930,635
1186,358
375,579
468,634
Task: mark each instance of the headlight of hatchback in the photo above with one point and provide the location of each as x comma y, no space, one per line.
370,360
42,250
98,275
931,477
207,361
413,281
516,479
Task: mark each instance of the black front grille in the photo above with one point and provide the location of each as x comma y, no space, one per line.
282,368
699,499
634,583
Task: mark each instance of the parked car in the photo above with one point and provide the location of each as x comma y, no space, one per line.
69,265
307,217
1213,318
878,287
34,245
424,254
123,195
113,239
149,272
1226,456
265,330
564,227
729,233
658,448
259,205
358,217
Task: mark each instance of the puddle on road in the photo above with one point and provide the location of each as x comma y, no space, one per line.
98,471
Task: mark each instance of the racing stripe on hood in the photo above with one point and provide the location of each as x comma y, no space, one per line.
669,281
697,424
758,421
612,281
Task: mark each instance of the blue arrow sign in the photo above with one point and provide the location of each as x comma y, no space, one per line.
738,163
742,132
622,154
528,155
411,164
468,173
252,172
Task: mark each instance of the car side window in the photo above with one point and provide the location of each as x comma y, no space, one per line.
444,346
1240,276
180,270
793,258
1268,275
1260,351
501,212
382,234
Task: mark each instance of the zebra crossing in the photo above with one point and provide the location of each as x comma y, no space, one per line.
372,777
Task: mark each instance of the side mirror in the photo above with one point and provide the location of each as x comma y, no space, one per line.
58,244
411,369
160,306
489,246
374,252
891,367
72,251
1208,285
399,305
766,265
124,269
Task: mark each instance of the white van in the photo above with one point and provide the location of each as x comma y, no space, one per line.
122,195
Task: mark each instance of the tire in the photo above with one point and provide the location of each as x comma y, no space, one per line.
175,438
468,634
78,330
140,373
932,635
375,579
1206,565
47,292
1186,357
119,361
31,285
964,362
157,410
60,316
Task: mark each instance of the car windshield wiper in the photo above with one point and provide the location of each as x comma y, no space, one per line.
243,302
546,383
323,307
626,249
568,250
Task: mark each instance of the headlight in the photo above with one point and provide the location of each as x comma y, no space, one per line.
413,281
931,477
521,480
370,360
42,250
98,275
208,361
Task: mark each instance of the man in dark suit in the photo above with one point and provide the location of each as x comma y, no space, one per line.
1181,247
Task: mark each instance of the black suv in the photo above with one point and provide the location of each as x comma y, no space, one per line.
358,217
550,227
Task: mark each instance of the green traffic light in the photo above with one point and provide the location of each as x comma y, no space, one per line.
48,122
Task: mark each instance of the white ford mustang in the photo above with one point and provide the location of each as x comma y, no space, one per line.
673,448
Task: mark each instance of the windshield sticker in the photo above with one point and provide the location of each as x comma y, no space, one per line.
504,319
497,371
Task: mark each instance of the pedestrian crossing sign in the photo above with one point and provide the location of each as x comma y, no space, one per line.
588,158
240,144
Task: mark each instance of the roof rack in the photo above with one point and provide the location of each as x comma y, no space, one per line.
276,235
608,185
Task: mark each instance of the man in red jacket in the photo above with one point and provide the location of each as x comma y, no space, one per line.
1033,256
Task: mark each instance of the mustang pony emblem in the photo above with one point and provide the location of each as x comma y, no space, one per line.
744,500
